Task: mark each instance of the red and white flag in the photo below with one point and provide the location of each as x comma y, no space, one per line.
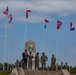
27,11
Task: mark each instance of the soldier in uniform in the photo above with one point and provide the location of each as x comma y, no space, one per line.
25,58
30,60
37,61
53,62
43,60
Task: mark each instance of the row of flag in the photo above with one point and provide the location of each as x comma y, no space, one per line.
6,12
59,23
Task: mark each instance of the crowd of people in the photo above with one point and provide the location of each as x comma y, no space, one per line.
43,59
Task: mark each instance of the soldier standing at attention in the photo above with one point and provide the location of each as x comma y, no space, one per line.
37,61
43,60
30,60
53,62
25,57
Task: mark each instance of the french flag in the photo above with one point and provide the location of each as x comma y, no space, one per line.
71,26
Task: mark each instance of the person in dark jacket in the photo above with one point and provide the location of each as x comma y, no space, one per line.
25,58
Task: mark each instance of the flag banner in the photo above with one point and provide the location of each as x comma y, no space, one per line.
10,17
71,27
59,23
27,11
6,11
46,21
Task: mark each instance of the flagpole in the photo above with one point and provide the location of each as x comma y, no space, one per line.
9,48
5,44
70,53
25,33
58,27
25,38
44,39
46,21
28,10
56,49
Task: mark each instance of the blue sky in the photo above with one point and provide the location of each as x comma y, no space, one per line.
53,10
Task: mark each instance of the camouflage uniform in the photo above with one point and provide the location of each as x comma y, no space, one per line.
53,61
37,61
30,60
43,60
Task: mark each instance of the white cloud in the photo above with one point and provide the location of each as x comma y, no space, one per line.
32,18
41,7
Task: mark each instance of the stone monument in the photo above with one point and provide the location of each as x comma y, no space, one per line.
30,46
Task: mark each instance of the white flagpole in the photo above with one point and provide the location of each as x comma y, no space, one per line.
5,44
25,39
44,39
9,48
70,52
56,49
25,33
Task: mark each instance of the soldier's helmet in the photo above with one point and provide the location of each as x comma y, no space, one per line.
43,53
52,54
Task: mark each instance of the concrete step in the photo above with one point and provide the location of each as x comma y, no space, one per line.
20,71
65,72
31,72
14,71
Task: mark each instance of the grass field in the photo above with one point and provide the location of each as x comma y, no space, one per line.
5,72
73,74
